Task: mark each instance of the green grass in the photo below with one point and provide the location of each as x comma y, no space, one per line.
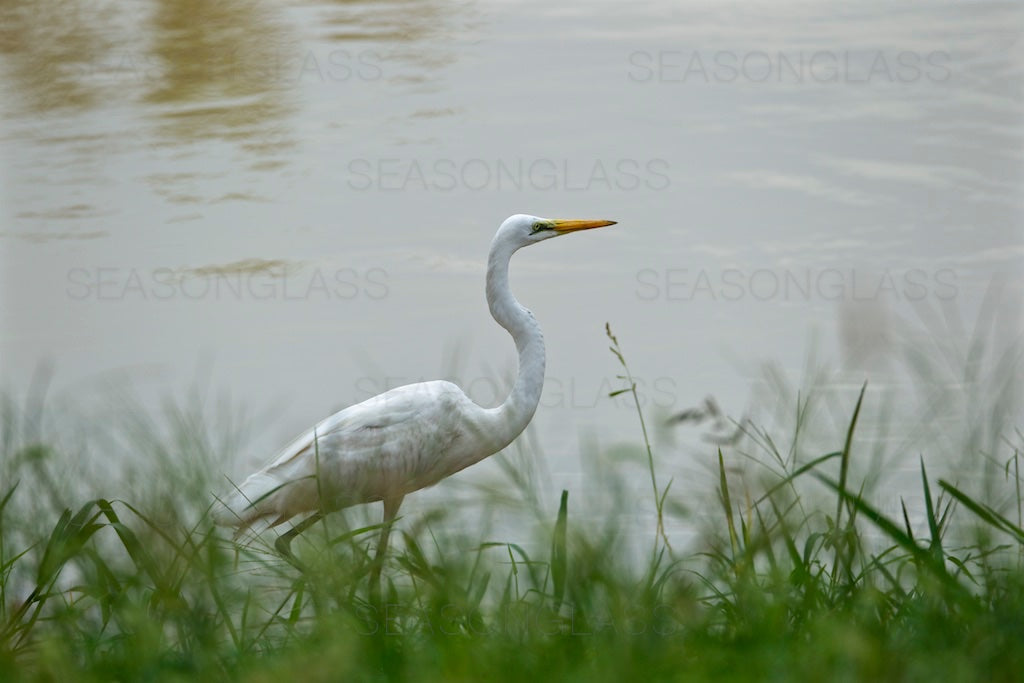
797,575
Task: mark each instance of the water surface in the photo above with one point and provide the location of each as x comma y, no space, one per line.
292,202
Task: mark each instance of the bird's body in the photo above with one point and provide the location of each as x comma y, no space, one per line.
397,442
413,436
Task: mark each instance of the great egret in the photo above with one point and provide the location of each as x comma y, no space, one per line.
410,437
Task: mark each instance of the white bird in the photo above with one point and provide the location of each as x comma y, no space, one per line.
410,437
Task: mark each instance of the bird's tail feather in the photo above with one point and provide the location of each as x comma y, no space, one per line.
259,496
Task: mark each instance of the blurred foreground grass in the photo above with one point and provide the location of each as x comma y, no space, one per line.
801,575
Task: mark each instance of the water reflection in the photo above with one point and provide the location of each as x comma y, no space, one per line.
217,71
413,39
50,49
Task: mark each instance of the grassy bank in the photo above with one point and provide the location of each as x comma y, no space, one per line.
801,575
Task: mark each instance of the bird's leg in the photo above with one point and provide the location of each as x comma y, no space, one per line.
283,544
391,506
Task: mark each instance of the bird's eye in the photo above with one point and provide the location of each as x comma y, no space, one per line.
537,227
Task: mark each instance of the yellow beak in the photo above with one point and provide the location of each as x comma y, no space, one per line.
565,225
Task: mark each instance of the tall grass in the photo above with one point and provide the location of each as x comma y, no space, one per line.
802,576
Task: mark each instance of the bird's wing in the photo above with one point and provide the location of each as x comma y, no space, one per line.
385,443
362,424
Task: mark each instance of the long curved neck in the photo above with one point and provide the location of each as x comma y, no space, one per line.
510,418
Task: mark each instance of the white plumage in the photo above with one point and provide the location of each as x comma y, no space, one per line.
382,448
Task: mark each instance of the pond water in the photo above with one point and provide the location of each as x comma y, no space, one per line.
291,202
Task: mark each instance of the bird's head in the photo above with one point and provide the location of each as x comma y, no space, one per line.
523,230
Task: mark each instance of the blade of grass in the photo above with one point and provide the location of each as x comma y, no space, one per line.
844,460
924,558
727,504
935,546
983,511
559,555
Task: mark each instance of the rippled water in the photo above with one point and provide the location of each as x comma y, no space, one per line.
293,201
